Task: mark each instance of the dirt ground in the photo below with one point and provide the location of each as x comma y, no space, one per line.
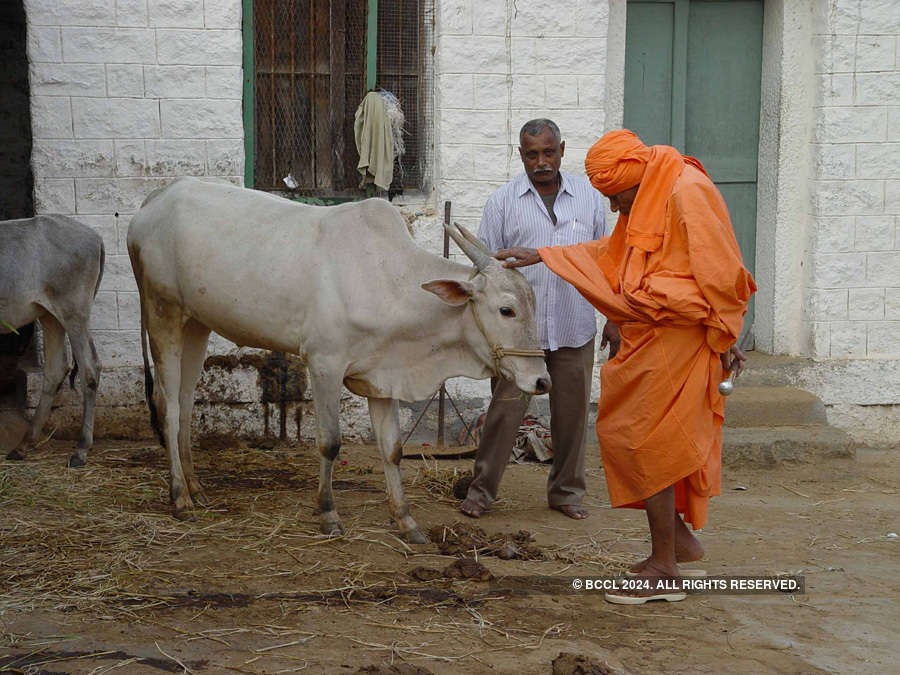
96,576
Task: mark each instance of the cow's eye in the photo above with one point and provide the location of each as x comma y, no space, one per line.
507,311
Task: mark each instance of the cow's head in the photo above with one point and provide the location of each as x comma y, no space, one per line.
503,307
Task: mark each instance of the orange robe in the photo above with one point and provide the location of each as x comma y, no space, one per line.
659,418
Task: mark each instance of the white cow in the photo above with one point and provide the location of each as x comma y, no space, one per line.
342,287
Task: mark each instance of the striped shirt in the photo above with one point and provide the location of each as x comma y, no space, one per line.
515,215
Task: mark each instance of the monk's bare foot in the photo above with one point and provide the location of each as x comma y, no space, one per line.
574,511
471,509
687,547
639,567
680,556
654,582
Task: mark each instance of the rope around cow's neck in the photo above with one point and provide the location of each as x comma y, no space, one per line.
499,351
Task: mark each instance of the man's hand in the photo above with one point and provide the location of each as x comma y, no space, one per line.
523,256
610,336
733,359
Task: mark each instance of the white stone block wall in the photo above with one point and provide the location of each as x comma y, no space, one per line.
853,295
499,64
126,96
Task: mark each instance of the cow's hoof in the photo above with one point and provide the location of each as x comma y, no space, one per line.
415,536
200,498
332,528
15,455
75,461
185,515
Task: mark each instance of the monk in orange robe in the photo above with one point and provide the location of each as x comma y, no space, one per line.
671,277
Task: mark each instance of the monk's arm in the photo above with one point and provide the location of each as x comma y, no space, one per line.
580,265
717,267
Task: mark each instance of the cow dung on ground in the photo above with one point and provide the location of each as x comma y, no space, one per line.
461,486
395,669
579,664
95,571
462,539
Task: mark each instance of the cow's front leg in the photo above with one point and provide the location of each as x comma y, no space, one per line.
386,425
327,401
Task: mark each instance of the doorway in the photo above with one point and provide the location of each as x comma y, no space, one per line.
16,200
692,80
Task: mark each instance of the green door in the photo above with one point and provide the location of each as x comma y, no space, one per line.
692,80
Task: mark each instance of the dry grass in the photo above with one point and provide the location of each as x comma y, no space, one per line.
437,480
101,542
102,538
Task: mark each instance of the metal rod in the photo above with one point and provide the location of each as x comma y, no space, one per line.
446,235
440,431
419,418
459,415
282,395
443,390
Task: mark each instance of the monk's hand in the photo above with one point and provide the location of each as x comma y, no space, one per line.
733,359
522,256
610,336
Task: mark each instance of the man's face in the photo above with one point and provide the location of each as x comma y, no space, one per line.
623,200
542,155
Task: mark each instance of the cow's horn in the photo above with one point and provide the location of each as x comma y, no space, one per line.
475,240
477,255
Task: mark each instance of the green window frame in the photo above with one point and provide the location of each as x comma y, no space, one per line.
388,66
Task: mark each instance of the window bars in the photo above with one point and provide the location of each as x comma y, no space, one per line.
309,75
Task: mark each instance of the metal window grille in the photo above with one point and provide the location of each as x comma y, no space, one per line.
310,76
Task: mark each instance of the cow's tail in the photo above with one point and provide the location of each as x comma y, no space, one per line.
74,370
148,385
102,265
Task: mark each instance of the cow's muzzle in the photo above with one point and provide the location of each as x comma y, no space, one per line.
543,385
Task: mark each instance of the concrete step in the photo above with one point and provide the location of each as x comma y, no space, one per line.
768,406
765,370
768,446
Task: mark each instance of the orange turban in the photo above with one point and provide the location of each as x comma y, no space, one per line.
618,162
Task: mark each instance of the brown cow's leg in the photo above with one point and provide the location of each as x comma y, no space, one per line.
194,352
384,413
327,399
55,369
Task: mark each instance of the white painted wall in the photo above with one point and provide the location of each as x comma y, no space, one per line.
783,220
853,291
127,95
499,64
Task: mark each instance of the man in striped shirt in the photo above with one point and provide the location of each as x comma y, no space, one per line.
544,207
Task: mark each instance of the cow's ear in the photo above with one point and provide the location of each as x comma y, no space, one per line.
452,292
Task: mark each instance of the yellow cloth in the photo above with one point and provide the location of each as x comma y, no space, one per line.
374,142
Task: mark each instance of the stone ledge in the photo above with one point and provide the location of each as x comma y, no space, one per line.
767,447
756,406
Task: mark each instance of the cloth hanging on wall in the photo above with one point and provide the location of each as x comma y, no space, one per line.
374,142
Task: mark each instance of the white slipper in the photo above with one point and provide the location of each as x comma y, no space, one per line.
617,599
687,574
